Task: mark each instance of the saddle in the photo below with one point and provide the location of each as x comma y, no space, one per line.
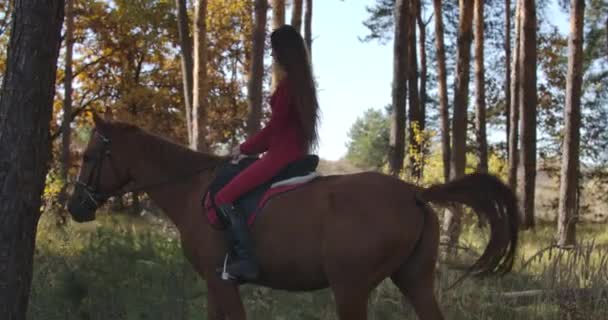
292,176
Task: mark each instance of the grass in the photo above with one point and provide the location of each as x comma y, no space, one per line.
121,267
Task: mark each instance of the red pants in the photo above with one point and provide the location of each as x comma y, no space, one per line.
256,174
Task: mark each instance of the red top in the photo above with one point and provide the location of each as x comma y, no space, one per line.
282,133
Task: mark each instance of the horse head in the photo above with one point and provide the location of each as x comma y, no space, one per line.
103,173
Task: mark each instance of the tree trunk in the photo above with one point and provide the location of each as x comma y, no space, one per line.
278,20
480,92
187,64
256,73
423,79
452,221
514,115
278,13
26,102
199,93
508,72
414,143
66,130
443,90
296,15
308,27
399,87
528,101
568,193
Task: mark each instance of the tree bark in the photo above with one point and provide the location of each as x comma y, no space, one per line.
296,15
514,105
568,193
308,27
278,20
187,64
26,101
508,72
443,90
256,73
480,92
414,143
423,79
66,129
452,220
199,92
399,87
528,102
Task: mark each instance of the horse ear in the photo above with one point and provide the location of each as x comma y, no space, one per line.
107,115
97,119
100,123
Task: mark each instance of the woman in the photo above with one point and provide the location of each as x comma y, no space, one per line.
290,134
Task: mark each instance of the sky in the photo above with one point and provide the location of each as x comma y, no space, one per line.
353,76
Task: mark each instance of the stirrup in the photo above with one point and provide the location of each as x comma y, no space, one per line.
224,275
239,279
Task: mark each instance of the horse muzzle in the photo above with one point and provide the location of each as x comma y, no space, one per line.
82,206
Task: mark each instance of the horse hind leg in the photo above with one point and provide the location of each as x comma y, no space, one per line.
416,276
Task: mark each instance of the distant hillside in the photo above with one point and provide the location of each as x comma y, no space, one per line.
342,166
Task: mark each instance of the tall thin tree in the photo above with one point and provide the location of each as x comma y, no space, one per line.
414,128
452,218
256,73
26,104
528,101
278,20
399,86
199,92
570,172
66,129
443,89
308,26
507,85
514,105
480,92
186,61
423,77
296,15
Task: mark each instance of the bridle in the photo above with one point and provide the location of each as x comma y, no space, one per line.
91,186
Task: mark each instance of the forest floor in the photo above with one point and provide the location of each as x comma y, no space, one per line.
122,267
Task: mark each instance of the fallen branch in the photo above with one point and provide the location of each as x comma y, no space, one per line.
530,297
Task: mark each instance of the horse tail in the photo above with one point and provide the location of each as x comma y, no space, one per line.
492,201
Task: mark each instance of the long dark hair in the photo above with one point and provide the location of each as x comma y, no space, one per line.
292,55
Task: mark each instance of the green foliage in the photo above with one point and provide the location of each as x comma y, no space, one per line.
380,21
369,140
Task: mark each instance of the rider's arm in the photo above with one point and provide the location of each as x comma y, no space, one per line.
259,142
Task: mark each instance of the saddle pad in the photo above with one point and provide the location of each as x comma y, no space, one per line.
293,175
276,189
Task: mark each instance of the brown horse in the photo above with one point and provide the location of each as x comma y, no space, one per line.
346,232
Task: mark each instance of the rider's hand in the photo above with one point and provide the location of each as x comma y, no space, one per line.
237,155
236,151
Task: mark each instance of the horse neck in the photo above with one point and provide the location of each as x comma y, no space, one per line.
172,176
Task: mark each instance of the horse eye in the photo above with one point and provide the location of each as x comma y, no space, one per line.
86,158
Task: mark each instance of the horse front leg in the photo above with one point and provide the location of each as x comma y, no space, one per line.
224,300
214,311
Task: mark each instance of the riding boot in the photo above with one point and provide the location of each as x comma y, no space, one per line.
242,265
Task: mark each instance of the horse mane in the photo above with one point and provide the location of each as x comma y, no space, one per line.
165,151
